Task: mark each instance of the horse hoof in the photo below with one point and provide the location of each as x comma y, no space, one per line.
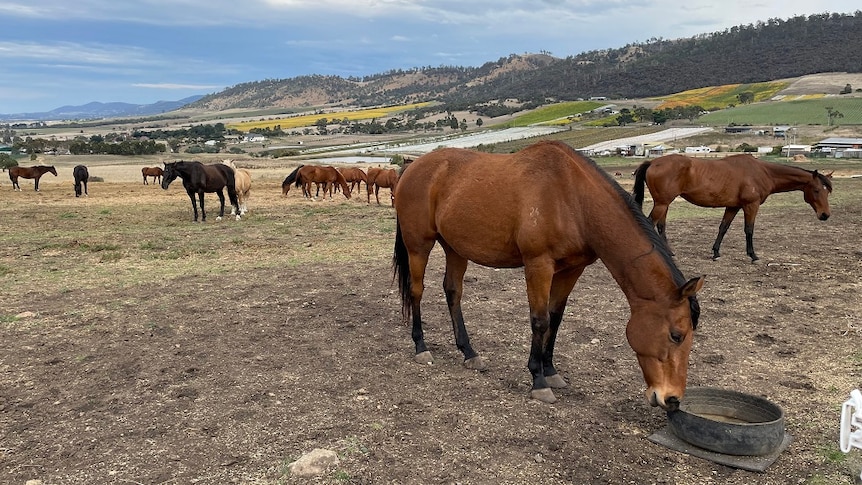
218,218
476,363
423,358
545,395
556,381
238,217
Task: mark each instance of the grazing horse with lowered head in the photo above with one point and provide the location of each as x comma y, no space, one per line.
199,179
382,177
295,178
354,176
292,178
553,212
735,182
327,176
35,172
154,172
82,176
242,179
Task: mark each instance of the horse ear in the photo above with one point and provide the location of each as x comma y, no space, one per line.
830,174
691,287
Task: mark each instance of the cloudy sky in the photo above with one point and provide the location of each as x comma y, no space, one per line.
61,52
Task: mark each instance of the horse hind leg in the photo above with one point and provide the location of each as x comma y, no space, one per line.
453,287
726,220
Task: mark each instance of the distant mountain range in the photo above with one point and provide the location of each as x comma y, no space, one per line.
96,110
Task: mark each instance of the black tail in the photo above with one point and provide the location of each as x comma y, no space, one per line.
401,271
231,187
291,178
640,181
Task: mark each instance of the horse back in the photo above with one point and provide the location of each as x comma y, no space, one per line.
501,209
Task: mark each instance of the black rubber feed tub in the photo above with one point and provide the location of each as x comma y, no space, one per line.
728,422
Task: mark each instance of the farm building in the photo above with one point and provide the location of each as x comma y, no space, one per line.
700,149
791,150
253,138
839,147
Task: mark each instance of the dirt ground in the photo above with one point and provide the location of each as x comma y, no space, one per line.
227,378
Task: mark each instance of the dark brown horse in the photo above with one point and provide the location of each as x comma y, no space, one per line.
326,176
199,179
354,176
382,177
82,176
735,182
154,172
554,212
29,173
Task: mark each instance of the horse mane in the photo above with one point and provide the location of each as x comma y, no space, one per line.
827,182
291,177
643,221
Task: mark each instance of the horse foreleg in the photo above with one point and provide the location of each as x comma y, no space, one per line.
37,184
453,286
561,286
729,214
195,205
539,275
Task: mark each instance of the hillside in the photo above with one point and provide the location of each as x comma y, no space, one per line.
768,50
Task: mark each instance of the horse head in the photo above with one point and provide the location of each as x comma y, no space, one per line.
662,338
169,174
816,193
52,170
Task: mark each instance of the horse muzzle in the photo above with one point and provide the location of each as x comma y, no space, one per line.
823,216
669,404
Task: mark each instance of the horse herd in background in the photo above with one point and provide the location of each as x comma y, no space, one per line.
737,182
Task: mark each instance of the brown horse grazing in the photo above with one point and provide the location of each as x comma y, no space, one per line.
734,182
199,179
382,177
554,212
354,176
328,176
154,172
29,173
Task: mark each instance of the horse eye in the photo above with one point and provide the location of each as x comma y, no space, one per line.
676,337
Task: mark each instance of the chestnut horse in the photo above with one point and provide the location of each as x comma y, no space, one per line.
354,176
154,172
199,179
82,176
382,177
735,182
326,176
29,173
554,212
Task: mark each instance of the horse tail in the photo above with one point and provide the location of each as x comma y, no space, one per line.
231,187
640,181
401,272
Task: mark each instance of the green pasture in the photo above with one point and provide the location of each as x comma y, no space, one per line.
553,113
792,112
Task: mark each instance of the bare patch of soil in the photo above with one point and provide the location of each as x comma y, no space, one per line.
228,378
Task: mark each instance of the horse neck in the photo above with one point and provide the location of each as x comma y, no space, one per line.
636,261
786,178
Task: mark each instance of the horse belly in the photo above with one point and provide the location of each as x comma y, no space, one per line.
489,241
